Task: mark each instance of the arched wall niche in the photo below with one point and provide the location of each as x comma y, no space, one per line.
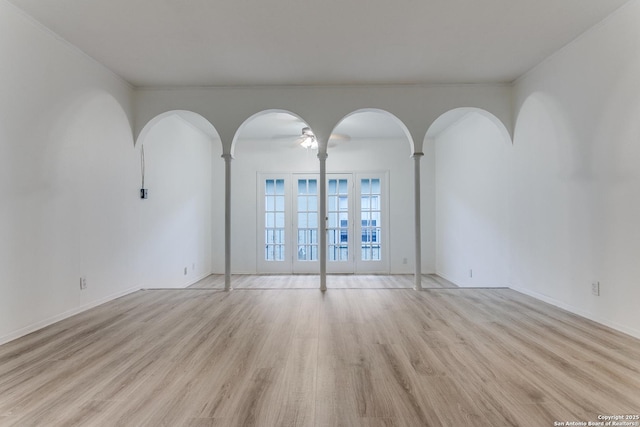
451,117
182,220
196,120
467,158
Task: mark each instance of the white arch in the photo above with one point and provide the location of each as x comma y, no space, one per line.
194,119
395,118
470,149
238,132
454,115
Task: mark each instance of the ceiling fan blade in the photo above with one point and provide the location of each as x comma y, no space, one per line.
285,137
339,137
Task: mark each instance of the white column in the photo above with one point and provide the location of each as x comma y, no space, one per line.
417,231
323,220
227,221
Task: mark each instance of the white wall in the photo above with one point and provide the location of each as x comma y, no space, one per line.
471,224
322,108
176,219
575,175
260,156
68,174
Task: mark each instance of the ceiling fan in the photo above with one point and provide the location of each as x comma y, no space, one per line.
308,140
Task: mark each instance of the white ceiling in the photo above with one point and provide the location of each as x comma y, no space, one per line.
304,42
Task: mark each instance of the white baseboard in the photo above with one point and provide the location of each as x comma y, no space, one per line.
445,277
54,319
196,280
582,313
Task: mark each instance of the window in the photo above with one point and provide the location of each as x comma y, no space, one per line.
274,228
370,214
338,214
307,219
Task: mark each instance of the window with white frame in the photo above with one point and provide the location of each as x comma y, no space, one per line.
274,220
371,219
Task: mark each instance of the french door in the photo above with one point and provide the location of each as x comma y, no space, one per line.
306,224
339,224
372,229
288,237
273,235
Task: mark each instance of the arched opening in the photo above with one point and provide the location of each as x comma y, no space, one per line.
370,196
275,195
467,151
182,219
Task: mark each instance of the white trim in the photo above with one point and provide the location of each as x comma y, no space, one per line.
470,286
185,284
578,311
444,276
59,317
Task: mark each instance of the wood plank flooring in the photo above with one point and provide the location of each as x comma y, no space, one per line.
349,357
334,281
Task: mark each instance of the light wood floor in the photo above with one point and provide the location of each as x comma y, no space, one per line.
334,281
352,357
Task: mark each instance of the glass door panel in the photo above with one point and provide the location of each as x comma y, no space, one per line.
306,224
274,254
339,224
370,215
371,230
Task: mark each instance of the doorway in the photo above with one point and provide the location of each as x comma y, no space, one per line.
288,240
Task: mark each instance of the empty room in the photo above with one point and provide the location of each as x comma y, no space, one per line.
244,213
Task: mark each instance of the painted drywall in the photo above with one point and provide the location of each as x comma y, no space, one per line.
176,219
358,155
67,179
471,224
322,108
575,179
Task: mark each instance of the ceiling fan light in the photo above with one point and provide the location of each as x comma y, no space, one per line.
309,142
308,139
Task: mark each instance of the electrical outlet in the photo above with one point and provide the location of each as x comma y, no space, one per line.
595,289
83,283
404,260
185,271
470,272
